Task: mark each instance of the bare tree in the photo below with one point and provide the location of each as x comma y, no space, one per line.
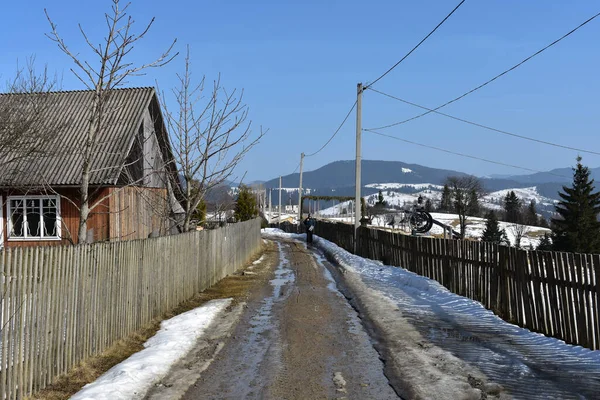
24,128
108,70
210,135
222,202
464,190
519,231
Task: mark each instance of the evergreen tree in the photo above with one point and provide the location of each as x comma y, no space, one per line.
380,199
512,207
543,222
577,228
245,207
200,212
492,232
545,243
531,217
473,207
428,205
446,201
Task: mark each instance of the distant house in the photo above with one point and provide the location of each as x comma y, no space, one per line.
132,176
291,208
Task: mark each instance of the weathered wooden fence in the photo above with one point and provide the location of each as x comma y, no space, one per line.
557,294
61,305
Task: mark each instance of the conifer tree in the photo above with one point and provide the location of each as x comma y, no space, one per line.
577,228
543,222
531,217
245,207
428,205
200,212
512,207
545,243
473,207
380,199
492,232
446,201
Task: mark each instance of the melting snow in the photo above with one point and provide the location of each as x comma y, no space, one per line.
132,378
528,364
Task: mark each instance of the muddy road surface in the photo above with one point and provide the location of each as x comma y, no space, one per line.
294,337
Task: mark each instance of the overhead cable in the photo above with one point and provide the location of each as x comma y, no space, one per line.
414,48
334,133
462,154
485,126
494,78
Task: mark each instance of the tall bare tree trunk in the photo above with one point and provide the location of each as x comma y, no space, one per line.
84,208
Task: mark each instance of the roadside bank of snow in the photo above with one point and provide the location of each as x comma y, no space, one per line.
132,378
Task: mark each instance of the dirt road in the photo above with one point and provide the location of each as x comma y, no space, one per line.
295,337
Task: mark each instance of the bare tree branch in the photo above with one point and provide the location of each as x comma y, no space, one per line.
210,135
463,189
106,71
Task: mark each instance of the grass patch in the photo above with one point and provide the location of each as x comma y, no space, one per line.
235,286
537,233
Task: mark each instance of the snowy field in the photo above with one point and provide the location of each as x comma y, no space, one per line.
526,195
475,228
527,364
392,195
391,186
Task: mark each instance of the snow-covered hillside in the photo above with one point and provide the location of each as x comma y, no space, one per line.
475,227
417,186
494,200
391,197
395,194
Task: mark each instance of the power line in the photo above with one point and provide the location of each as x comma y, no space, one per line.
462,154
295,169
414,48
485,126
334,133
494,78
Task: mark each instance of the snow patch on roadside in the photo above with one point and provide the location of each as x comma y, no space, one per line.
260,260
528,364
132,378
331,285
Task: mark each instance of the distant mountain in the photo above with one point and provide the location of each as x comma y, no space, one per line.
339,174
559,175
498,176
337,179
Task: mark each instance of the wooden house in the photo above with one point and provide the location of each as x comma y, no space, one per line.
132,170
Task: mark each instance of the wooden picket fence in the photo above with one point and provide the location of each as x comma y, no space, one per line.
61,305
556,294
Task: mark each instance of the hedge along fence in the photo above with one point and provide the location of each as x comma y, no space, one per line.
556,294
61,305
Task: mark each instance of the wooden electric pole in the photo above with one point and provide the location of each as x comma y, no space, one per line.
279,214
357,210
300,190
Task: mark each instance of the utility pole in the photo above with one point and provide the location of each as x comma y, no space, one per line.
300,189
279,216
270,207
359,92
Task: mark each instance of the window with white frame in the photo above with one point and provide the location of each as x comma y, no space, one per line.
33,217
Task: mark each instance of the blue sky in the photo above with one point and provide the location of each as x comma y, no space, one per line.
299,63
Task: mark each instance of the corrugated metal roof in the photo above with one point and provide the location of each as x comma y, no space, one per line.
66,115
